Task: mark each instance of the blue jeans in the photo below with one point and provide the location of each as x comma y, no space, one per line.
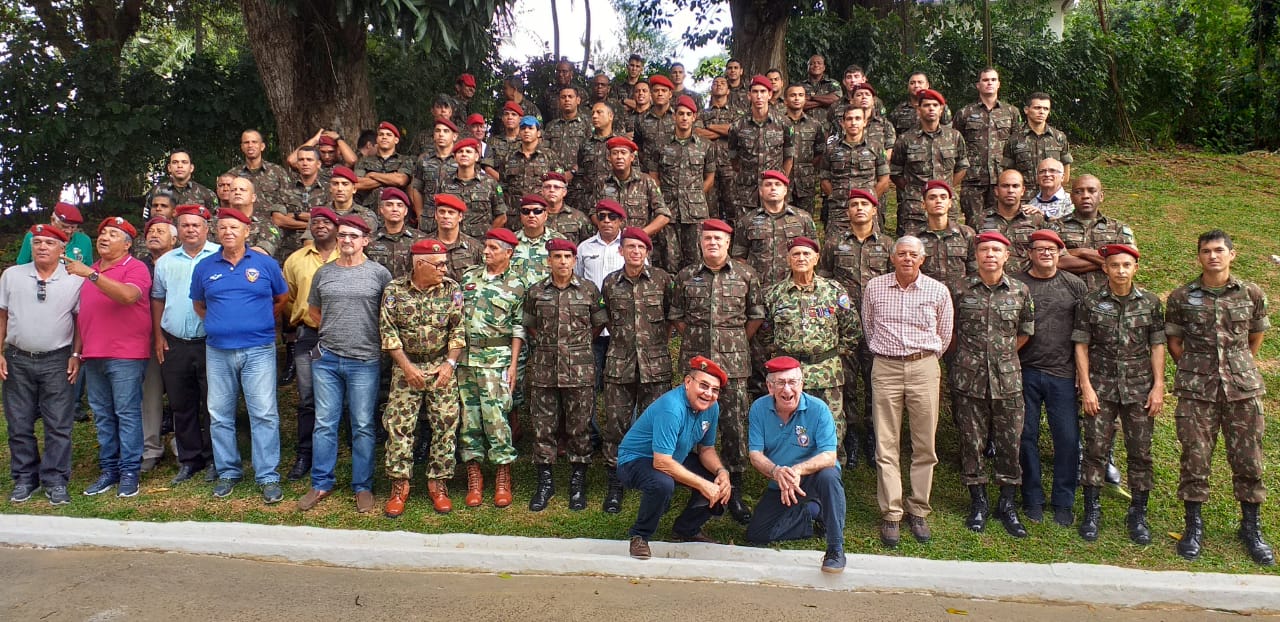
338,379
772,521
254,370
1058,398
114,387
656,489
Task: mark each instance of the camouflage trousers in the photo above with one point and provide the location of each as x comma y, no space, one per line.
976,201
1100,431
734,405
400,418
486,399
666,249
720,200
690,247
547,405
857,404
834,399
746,197
623,403
1242,425
980,418
911,217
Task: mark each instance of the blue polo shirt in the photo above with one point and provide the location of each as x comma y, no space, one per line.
810,431
173,273
669,426
238,299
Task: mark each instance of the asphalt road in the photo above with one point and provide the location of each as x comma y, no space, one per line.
108,585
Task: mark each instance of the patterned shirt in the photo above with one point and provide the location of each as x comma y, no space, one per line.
901,321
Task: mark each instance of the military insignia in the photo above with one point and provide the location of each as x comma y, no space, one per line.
706,425
702,366
843,247
844,302
457,299
1106,306
802,436
252,275
389,302
471,286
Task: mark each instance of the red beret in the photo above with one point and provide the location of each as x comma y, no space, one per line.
938,183
661,81
859,193
394,194
991,236
1115,249
555,176
235,214
1047,235
467,142
715,224
533,199
192,209
561,244
325,213
780,363
803,241
924,94
345,173
445,122
865,86
513,107
155,220
762,81
687,102
475,119
119,223
619,141
68,213
609,205
48,231
327,141
502,235
708,366
428,247
636,233
387,125
467,79
450,201
354,220
775,175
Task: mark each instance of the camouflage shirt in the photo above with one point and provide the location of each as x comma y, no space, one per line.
551,102
429,174
638,194
464,253
522,174
190,194
483,198
949,255
1025,149
810,141
425,323
761,240
638,329
847,166
715,306
683,165
394,163
720,115
571,223
392,250
592,164
1018,229
366,214
1079,233
1120,332
905,117
651,133
822,86
985,132
563,137
920,157
530,256
815,324
880,133
299,198
759,146
493,309
560,323
269,182
500,147
853,262
1216,363
989,319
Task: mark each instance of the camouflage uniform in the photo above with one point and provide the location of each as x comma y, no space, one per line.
429,174
880,133
823,86
985,132
191,194
761,240
810,142
1025,149
263,235
725,175
465,253
847,167
756,147
622,90
500,147
637,365
921,157
949,255
269,181
738,94
651,134
394,163
1120,333
530,256
592,170
1218,385
299,199
522,175
683,165
562,374
366,214
905,118
483,198
1078,233
392,250
716,306
426,324
571,223
640,196
986,377
551,102
493,309
563,137
1018,230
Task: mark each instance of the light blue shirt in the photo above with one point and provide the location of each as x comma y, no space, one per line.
811,430
669,426
173,273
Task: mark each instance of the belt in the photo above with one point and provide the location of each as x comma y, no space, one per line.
10,351
908,358
814,359
492,342
196,341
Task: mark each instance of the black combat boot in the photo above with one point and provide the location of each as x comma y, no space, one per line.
978,508
1007,509
613,496
290,372
1192,531
1251,535
738,508
578,488
545,490
1089,523
1136,519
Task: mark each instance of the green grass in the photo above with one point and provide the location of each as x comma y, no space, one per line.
1168,199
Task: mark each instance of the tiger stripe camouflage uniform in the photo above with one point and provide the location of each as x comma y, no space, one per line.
1018,230
1101,231
425,324
921,157
483,198
755,147
810,141
560,323
845,167
1024,150
985,132
493,309
637,364
1120,332
530,256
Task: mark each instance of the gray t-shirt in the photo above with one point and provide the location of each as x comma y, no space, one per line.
349,299
39,325
1050,350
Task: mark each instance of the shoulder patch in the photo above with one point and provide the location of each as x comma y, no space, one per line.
844,302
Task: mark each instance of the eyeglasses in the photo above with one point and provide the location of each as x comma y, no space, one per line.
1049,171
41,289
1045,250
607,216
350,236
791,383
706,388
532,212
438,265
560,187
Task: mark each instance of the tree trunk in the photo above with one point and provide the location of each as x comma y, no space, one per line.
586,38
314,69
555,29
759,34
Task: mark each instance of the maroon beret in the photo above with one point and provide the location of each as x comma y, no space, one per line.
555,176
327,141
706,365
475,119
119,223
1047,235
355,221
154,220
715,224
467,142
865,86
48,231
345,173
991,236
924,94
391,127
325,213
780,363
235,214
661,81
775,175
859,193
609,205
394,194
68,213
561,244
762,81
803,241
502,235
619,141
428,247
1115,249
533,199
687,102
445,122
450,201
938,183
192,209
513,107
636,233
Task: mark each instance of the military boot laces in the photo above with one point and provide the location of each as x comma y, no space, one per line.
545,490
578,488
1008,510
978,508
1251,536
1136,519
1192,532
1092,519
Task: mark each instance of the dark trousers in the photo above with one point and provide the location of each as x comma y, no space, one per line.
1057,396
307,339
37,387
186,384
656,489
773,521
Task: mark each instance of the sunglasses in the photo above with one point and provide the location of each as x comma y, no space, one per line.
42,289
607,216
532,212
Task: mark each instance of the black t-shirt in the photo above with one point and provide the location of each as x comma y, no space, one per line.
1050,350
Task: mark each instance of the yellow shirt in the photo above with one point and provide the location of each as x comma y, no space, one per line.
299,269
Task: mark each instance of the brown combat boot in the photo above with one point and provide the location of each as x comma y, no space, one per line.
502,486
439,496
399,496
475,485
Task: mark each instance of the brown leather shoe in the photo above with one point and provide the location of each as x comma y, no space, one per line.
640,548
919,528
365,502
399,496
502,486
475,485
889,533
439,496
697,537
312,497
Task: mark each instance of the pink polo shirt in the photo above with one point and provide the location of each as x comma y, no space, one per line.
109,329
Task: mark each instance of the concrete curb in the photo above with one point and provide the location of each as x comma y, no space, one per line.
1069,583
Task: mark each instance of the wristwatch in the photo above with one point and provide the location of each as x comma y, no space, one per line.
452,363
93,277
75,355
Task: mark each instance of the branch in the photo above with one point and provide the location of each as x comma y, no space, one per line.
57,31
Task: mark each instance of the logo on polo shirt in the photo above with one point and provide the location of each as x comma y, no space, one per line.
802,437
252,274
706,425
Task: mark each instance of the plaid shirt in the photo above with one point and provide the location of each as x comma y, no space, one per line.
900,321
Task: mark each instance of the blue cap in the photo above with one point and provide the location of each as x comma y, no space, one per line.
530,120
